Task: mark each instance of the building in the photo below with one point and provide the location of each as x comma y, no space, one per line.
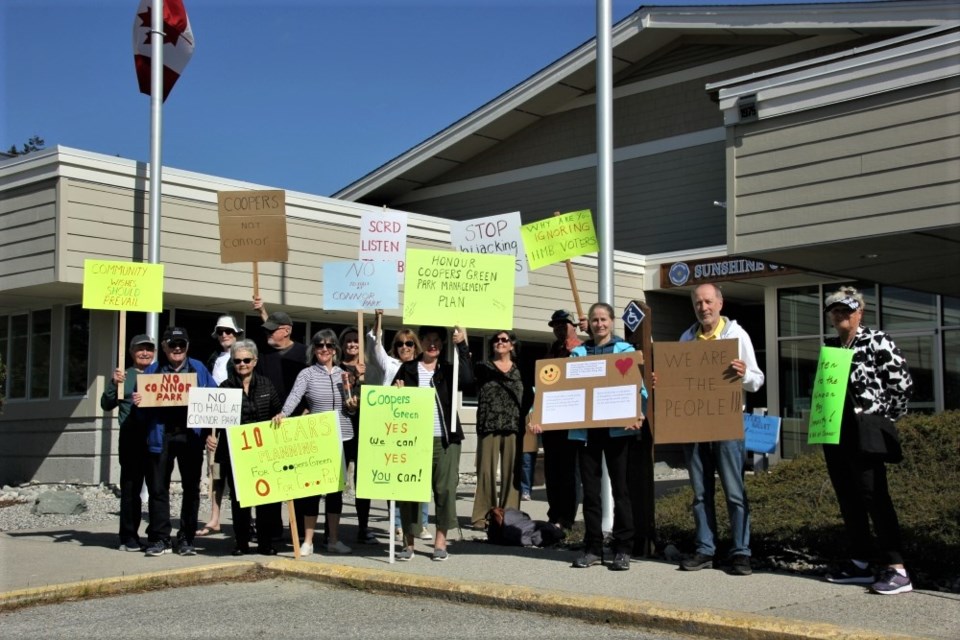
777,150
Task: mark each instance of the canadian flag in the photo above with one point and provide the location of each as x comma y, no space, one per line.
177,43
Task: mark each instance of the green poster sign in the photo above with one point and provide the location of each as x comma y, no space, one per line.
559,238
395,456
829,394
300,458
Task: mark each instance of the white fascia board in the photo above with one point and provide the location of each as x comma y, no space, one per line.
848,79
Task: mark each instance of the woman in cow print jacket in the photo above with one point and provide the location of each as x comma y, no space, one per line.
879,383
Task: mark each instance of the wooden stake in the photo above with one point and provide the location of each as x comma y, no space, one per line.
573,285
360,336
121,347
256,280
294,534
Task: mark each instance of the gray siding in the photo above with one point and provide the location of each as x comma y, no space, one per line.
28,236
885,164
662,202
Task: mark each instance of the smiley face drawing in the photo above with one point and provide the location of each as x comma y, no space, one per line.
549,374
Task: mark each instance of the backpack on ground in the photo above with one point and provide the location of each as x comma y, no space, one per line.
512,527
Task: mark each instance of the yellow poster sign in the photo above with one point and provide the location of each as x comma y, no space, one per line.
300,458
395,457
448,288
122,286
559,238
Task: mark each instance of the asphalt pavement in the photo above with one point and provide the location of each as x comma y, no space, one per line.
52,565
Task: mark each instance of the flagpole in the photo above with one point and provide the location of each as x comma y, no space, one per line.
156,132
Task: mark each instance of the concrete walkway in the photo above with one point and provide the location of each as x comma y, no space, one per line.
52,564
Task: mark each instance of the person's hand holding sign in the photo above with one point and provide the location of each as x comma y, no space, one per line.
738,368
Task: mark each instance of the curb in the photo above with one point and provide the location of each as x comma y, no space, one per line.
712,623
84,589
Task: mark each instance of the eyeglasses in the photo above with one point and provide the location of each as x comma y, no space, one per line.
177,344
501,340
220,332
408,343
242,360
325,345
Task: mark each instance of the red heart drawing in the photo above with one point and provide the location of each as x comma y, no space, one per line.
623,365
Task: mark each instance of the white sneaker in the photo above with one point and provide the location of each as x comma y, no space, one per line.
306,549
425,534
338,547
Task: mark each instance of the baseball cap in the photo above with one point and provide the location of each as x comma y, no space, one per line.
841,298
560,316
277,319
142,338
175,333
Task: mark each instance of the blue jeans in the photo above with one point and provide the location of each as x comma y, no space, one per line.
726,459
526,475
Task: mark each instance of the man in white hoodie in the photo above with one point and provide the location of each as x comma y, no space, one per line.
726,456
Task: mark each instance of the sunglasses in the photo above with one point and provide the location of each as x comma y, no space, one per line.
325,345
177,344
502,340
408,343
242,360
220,332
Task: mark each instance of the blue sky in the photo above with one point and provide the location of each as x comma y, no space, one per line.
304,95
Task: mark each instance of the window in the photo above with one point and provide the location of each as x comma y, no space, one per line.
25,349
906,309
76,336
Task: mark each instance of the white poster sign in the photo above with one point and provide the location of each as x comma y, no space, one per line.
383,236
493,234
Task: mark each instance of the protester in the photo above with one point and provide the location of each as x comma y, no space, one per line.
259,403
381,370
225,332
559,451
322,386
428,371
504,398
880,385
599,445
280,363
168,440
355,371
132,448
725,457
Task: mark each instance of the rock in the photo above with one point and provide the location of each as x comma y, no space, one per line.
59,502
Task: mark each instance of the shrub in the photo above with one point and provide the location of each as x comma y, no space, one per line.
796,520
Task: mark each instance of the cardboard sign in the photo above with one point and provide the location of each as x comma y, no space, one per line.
559,238
213,408
253,226
122,286
829,395
302,457
761,433
361,284
395,456
699,398
587,392
458,289
493,234
383,237
165,389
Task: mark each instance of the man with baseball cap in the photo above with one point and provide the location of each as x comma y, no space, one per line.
559,452
169,439
280,363
132,447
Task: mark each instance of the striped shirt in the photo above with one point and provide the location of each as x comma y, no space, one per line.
426,380
324,392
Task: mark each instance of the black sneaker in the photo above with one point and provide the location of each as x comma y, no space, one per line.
186,548
849,573
621,562
740,565
588,560
696,562
158,548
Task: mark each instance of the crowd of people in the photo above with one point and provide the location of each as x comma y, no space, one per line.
290,378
